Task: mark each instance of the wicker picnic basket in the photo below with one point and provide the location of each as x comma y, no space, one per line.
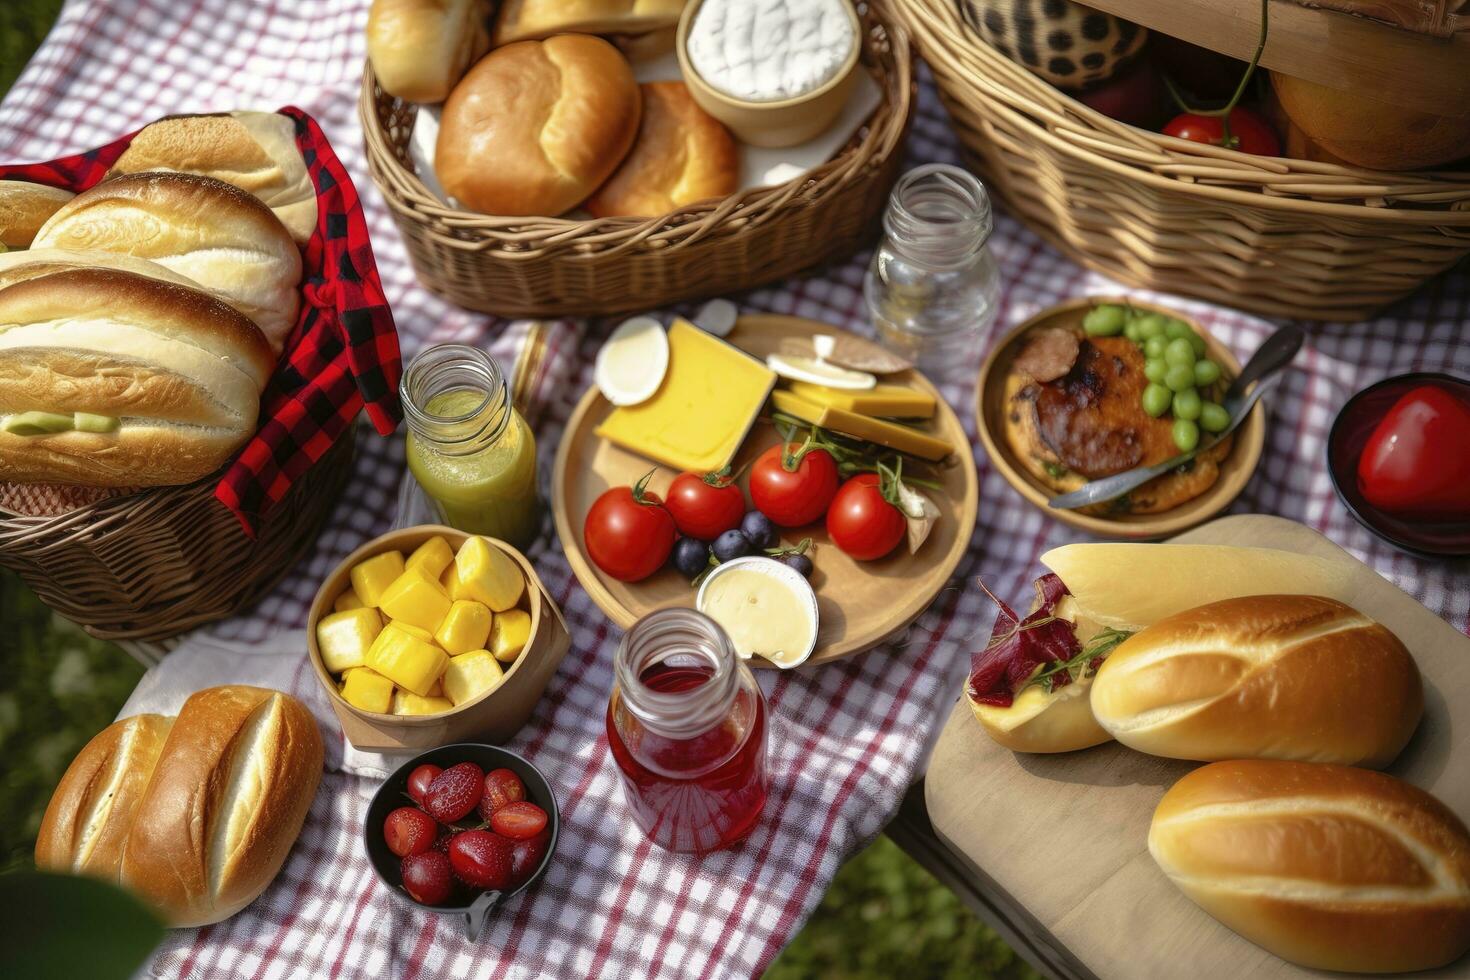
571,267
153,564
1275,236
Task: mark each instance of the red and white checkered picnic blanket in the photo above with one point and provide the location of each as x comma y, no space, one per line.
847,739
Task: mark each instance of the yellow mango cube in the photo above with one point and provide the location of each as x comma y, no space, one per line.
368,690
347,600
471,674
371,578
431,557
486,574
465,628
509,635
406,660
412,630
409,703
416,599
344,638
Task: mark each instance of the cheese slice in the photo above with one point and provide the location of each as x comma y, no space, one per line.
893,401
711,395
905,439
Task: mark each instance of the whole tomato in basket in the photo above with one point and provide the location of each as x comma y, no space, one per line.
706,505
629,532
1249,133
793,483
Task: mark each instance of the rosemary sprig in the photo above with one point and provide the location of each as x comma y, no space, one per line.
1079,666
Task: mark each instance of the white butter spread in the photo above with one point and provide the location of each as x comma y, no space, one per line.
768,50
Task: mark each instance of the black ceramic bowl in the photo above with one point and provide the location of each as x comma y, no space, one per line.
1351,430
393,793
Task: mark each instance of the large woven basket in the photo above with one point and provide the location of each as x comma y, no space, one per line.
1274,236
153,564
570,267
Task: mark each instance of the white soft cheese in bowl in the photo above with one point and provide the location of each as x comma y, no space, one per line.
770,50
768,609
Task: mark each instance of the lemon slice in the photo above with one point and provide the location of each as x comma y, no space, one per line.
795,367
632,363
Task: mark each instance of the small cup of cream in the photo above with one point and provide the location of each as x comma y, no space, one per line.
768,609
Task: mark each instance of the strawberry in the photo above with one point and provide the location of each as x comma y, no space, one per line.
455,792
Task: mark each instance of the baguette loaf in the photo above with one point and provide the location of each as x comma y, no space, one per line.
525,20
167,380
254,151
1275,677
205,229
1326,866
200,824
24,208
421,48
32,263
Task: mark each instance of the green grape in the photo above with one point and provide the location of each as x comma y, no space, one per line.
1154,369
1186,434
1178,351
1198,342
1213,418
1104,321
1174,329
1131,332
1179,377
1156,399
1187,404
1155,347
1151,326
1206,372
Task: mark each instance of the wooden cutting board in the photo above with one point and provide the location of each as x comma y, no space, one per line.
1060,842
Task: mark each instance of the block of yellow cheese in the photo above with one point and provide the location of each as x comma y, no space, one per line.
486,574
711,395
465,628
433,556
407,660
905,439
344,638
367,689
417,599
471,674
371,577
509,635
409,703
888,401
347,600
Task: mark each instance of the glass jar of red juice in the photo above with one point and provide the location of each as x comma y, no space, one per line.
686,722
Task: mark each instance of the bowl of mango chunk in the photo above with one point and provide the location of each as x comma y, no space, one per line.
427,635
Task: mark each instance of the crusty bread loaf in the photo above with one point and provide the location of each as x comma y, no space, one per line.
1364,132
254,151
1278,677
24,208
420,48
537,126
222,801
522,20
204,229
31,263
682,155
1326,866
180,371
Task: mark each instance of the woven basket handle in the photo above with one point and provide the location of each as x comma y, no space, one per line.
1434,18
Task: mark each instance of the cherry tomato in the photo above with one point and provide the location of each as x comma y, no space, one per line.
518,821
629,533
861,522
792,484
1250,133
1417,461
706,506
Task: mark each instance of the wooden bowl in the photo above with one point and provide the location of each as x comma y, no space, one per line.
1235,469
495,715
859,603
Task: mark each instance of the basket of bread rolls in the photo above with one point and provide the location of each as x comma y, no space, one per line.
176,413
606,156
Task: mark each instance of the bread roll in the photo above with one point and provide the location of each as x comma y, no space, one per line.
682,155
537,126
254,151
24,208
204,229
222,801
522,20
174,372
1275,677
420,48
1326,866
32,263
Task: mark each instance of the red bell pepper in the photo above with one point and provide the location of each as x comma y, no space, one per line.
1417,461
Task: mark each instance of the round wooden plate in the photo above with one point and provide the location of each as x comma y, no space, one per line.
1235,469
860,603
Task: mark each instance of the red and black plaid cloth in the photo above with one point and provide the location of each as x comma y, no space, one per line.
342,356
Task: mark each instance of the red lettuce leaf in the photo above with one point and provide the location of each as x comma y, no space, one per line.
1017,648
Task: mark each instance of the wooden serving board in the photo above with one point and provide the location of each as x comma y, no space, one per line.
860,603
1060,842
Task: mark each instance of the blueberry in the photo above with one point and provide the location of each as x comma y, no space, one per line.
801,563
731,545
691,556
759,530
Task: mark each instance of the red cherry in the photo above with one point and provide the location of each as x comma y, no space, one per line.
518,821
526,855
427,877
481,859
501,787
419,780
409,831
454,792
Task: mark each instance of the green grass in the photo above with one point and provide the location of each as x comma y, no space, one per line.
23,23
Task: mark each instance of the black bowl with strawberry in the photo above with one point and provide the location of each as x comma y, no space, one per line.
459,829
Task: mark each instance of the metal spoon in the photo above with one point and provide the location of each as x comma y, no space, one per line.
1274,354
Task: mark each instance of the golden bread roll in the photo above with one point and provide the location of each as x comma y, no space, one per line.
24,208
1277,677
537,126
204,229
1329,867
524,20
1364,132
32,263
118,380
222,800
682,155
254,151
420,48
639,48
